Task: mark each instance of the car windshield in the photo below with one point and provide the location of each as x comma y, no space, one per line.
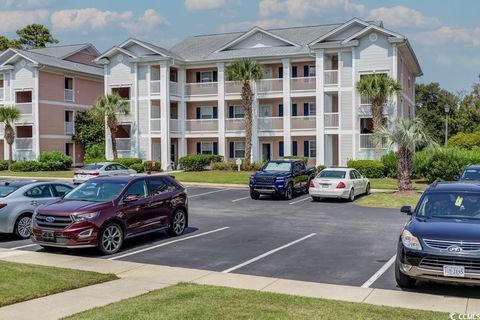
92,167
96,191
6,190
278,166
471,174
331,174
455,205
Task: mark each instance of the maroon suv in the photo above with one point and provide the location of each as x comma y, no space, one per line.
105,211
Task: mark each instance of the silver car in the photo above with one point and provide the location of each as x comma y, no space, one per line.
19,199
101,169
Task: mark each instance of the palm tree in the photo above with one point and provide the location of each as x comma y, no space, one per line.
246,71
108,107
8,115
378,87
406,134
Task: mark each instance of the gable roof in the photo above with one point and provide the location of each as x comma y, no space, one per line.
62,52
376,28
339,29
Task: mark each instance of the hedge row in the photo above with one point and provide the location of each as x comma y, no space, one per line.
369,168
465,140
47,161
198,162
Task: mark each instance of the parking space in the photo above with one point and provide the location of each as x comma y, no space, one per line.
329,241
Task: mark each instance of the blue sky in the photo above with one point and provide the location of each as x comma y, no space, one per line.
444,34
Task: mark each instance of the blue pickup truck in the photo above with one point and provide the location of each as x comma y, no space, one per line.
281,178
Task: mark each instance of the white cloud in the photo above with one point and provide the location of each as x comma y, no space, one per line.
448,35
262,23
301,8
203,4
147,22
16,19
401,16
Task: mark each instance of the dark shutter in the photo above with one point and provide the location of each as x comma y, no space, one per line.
280,72
294,148
215,112
198,77
280,148
215,148
198,112
294,110
305,71
306,144
232,150
280,110
230,112
215,77
294,72
306,110
199,148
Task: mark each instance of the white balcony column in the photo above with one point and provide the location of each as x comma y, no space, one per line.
255,114
36,115
221,108
287,108
134,132
182,112
320,116
165,114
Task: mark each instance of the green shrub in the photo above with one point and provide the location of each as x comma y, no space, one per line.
95,151
26,166
127,162
389,161
233,166
54,160
220,166
254,166
152,166
420,162
369,168
94,160
139,167
465,140
319,168
3,164
305,159
198,162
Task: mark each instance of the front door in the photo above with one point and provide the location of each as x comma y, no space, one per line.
266,151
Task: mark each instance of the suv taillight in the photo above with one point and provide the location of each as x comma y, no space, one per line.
341,185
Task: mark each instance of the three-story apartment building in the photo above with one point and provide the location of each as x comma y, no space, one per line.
49,86
305,105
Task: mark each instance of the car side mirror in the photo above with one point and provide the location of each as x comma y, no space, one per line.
456,177
364,177
130,198
407,210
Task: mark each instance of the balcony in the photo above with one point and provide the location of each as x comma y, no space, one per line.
154,87
331,120
302,122
303,84
201,125
270,123
174,88
237,124
233,87
200,89
25,108
155,125
126,117
68,95
24,144
330,77
367,141
124,144
174,125
270,85
69,128
366,101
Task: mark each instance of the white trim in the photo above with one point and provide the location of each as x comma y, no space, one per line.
142,44
64,104
355,108
108,53
86,46
373,27
339,28
15,55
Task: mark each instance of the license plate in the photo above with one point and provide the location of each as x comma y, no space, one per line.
454,271
325,186
48,236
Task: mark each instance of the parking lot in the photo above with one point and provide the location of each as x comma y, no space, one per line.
331,241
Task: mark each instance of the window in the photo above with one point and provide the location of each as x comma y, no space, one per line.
96,191
206,76
160,185
238,112
111,167
23,97
61,189
122,92
68,83
312,109
138,188
67,148
206,112
41,191
357,174
311,71
266,111
312,149
332,174
366,125
352,175
239,149
206,148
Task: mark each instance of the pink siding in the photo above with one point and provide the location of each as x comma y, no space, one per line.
275,146
300,102
271,102
300,150
274,68
192,74
192,107
82,57
52,119
87,91
300,67
79,153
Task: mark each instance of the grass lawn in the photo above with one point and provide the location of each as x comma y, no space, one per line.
43,174
20,282
190,301
389,200
389,183
214,176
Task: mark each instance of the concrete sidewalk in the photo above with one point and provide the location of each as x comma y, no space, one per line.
137,278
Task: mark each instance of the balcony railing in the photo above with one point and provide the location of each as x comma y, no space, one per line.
304,122
24,144
269,85
155,87
368,141
270,123
303,84
155,125
331,119
25,108
174,88
237,124
174,125
69,127
68,95
233,87
124,144
1,94
365,100
201,125
330,77
201,88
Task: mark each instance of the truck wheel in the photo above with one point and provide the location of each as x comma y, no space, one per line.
402,279
254,195
289,192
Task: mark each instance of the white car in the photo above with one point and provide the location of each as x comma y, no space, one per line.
101,169
344,183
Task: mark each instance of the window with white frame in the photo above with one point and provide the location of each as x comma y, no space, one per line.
312,109
206,76
311,71
266,111
206,112
206,147
238,112
312,149
239,149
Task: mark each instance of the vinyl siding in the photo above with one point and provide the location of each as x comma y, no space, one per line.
346,110
346,147
346,71
142,81
120,72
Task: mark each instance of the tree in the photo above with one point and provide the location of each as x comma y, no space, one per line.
35,36
6,43
466,118
89,130
378,87
107,108
405,134
8,115
246,71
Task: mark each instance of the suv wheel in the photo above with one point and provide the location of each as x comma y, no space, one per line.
254,195
402,279
289,192
111,239
23,226
178,223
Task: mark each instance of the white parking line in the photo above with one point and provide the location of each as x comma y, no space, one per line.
379,273
205,193
25,246
303,199
267,254
241,199
166,243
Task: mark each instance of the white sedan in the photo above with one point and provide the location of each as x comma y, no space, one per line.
345,183
101,169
